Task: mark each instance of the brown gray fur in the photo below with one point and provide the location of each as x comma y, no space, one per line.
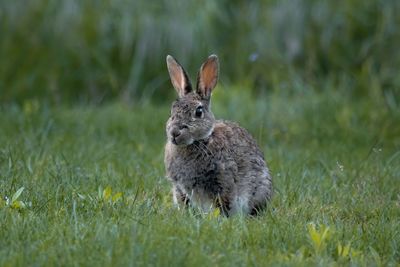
211,163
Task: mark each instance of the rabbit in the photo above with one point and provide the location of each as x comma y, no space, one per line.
211,163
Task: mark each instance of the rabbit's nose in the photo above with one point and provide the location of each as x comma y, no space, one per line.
175,132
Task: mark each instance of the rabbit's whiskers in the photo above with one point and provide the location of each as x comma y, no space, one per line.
202,150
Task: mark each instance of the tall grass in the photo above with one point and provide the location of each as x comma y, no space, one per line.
70,50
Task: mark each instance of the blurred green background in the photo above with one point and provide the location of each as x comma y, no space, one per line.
71,51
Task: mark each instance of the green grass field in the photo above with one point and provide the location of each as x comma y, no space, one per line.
95,194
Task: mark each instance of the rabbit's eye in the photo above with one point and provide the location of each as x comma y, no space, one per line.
199,112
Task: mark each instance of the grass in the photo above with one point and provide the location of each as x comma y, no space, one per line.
335,162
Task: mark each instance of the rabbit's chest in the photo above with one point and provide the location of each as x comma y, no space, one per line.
196,176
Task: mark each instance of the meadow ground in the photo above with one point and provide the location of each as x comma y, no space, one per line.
95,194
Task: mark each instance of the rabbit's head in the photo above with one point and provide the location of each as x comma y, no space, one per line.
191,117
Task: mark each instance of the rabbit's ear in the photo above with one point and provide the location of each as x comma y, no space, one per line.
208,77
179,77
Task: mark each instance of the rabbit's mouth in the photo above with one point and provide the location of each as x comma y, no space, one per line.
185,135
182,140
